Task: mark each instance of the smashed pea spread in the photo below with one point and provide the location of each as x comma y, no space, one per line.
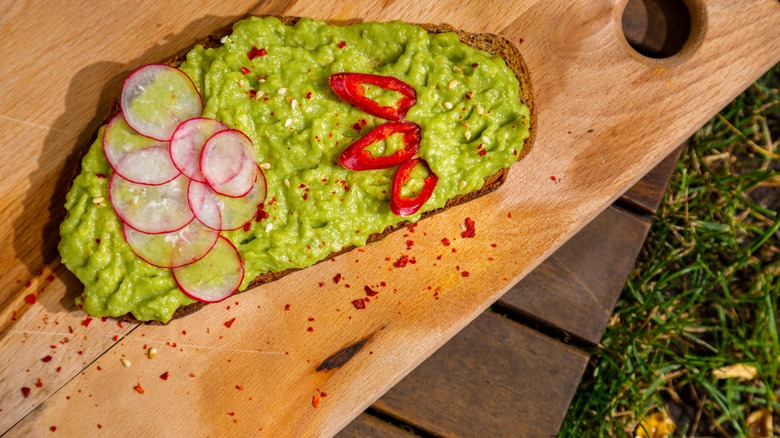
271,82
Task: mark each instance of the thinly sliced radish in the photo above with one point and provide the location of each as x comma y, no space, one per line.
228,163
209,205
175,249
157,98
187,142
214,277
151,209
148,165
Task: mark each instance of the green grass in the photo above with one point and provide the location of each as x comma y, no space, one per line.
704,291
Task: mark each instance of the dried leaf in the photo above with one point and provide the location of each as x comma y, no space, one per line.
759,424
739,371
656,425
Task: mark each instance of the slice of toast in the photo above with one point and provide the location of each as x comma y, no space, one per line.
491,43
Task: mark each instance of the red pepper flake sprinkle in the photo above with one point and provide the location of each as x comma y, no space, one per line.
86,322
138,388
164,375
470,230
53,428
59,369
46,359
286,307
341,46
239,387
359,304
322,284
119,324
409,244
115,338
245,70
337,278
310,329
308,95
231,413
494,245
482,152
475,65
401,262
370,292
30,299
255,52
445,241
100,175
465,274
99,426
310,319
38,383
230,322
553,178
25,391
509,215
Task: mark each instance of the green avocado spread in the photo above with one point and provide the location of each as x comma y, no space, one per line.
472,125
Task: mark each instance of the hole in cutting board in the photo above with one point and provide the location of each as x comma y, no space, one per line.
657,28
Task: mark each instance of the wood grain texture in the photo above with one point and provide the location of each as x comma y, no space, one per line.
596,135
576,288
366,425
646,195
522,383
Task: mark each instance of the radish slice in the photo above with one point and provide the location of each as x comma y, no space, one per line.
172,250
228,163
209,205
214,277
151,209
149,163
150,166
187,142
157,98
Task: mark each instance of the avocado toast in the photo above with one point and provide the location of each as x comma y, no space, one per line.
271,79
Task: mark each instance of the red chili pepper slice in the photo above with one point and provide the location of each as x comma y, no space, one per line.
348,87
357,157
402,206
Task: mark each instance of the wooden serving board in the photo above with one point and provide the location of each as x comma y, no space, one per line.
606,116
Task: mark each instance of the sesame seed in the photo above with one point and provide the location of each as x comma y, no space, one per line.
485,139
269,227
281,90
293,103
462,185
97,200
223,39
242,83
453,84
467,134
287,122
265,166
287,183
152,353
259,94
448,105
457,69
480,110
261,80
126,363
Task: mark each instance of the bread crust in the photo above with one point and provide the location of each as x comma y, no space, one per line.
489,42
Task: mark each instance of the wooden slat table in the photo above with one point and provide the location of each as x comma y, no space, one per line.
514,370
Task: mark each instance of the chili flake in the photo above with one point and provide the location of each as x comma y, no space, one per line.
465,274
470,230
38,383
25,391
230,322
445,241
359,304
337,278
341,46
315,401
255,52
370,292
164,375
30,299
46,359
401,262
138,388
86,322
